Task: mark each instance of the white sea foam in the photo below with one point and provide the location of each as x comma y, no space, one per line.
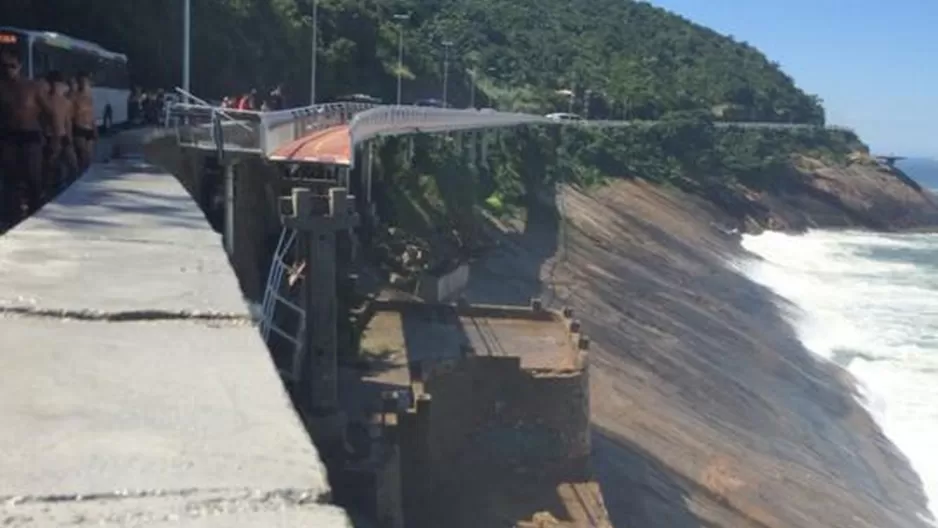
870,303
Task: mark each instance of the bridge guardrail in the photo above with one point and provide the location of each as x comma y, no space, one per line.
261,132
717,124
284,126
265,132
195,126
393,120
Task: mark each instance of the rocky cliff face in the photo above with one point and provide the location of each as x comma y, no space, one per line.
812,194
707,410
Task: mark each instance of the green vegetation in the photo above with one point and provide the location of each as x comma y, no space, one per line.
620,59
439,188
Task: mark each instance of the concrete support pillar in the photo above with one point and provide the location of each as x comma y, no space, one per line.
486,137
367,169
321,319
474,150
322,221
343,177
229,237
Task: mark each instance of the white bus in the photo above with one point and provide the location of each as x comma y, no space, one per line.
43,51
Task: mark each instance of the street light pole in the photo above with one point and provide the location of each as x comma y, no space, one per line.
446,46
472,93
400,51
312,90
186,49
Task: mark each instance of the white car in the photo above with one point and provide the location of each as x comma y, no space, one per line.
563,116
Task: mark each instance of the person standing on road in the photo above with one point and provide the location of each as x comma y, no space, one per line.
84,131
59,148
275,99
22,108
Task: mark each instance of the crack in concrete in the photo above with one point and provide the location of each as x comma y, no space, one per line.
293,496
137,508
126,316
17,500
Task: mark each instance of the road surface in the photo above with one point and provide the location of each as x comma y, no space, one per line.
331,146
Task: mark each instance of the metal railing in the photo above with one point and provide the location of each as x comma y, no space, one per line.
283,322
265,132
285,126
198,125
261,132
401,120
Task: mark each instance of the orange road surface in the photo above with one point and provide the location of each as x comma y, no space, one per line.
331,146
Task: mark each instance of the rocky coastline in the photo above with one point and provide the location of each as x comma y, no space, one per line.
707,410
864,194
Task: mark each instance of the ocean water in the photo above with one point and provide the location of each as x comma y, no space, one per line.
868,302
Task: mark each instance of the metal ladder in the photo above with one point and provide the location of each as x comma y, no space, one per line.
275,299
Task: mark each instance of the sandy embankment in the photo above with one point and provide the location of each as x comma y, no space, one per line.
706,409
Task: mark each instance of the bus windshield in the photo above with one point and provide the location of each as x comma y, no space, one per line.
17,43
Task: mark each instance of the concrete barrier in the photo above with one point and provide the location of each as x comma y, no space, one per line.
445,288
136,386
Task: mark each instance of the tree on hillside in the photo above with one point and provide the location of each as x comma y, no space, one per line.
631,57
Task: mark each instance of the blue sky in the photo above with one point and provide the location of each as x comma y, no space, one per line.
874,63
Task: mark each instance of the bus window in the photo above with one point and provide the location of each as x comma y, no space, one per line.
122,76
50,58
102,73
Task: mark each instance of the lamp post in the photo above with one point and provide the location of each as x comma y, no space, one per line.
312,89
472,88
446,46
475,77
186,49
401,18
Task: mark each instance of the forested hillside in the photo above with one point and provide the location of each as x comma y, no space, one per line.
624,58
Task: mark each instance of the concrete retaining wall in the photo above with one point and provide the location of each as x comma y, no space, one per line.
491,403
489,411
446,288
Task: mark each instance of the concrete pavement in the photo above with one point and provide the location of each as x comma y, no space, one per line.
135,389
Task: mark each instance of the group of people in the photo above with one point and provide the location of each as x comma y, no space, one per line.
47,136
145,107
251,101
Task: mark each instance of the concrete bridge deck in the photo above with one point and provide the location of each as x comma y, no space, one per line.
135,389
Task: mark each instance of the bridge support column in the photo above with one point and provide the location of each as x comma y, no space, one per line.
367,169
229,236
322,220
342,176
474,150
486,137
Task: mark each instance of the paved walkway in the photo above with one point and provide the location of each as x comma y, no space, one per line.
135,390
331,145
